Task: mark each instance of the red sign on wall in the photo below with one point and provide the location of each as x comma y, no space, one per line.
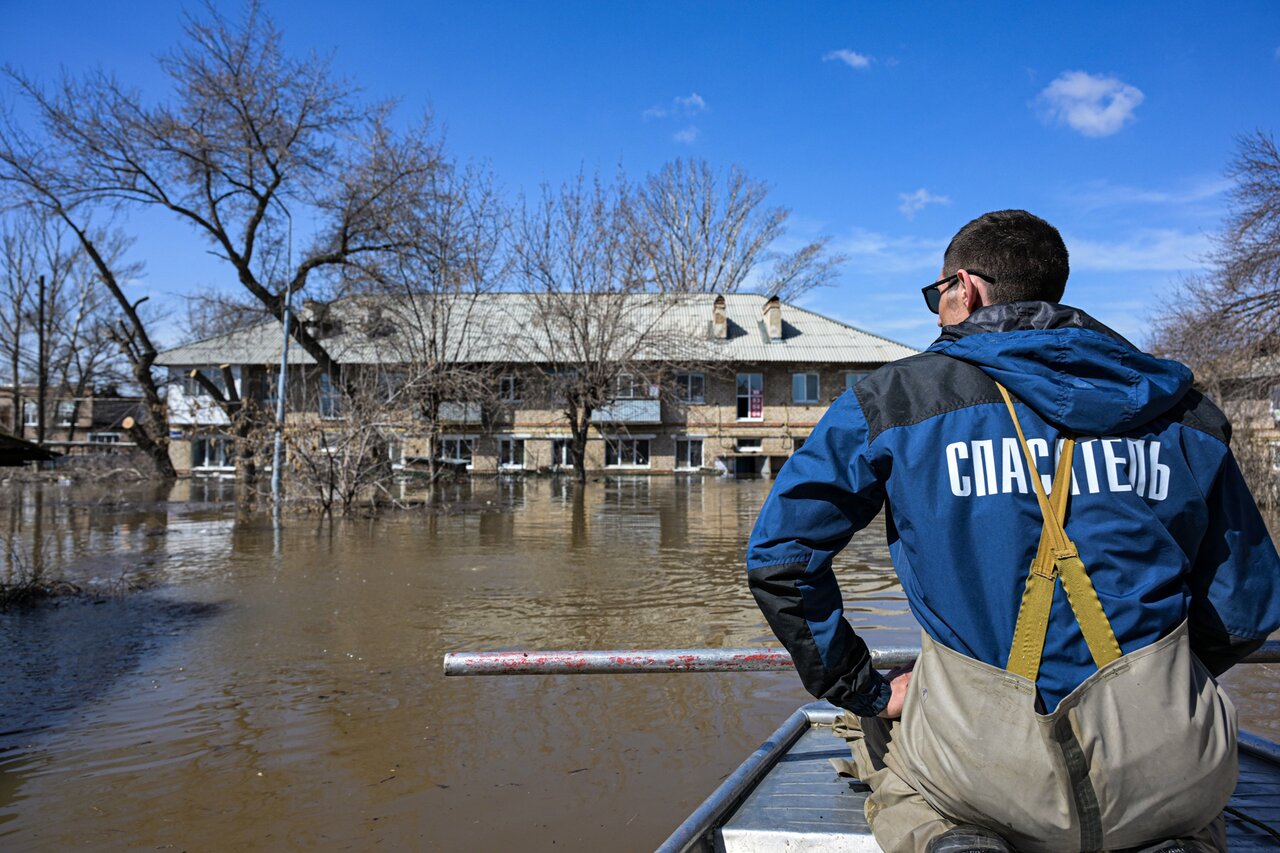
756,405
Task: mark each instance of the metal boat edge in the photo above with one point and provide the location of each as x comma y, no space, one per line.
697,833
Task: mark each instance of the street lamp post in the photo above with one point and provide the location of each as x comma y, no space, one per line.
281,387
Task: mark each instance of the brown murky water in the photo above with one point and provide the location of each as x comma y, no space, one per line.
283,691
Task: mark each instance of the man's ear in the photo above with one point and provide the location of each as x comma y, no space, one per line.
974,297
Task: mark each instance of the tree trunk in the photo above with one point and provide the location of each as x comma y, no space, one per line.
18,416
580,427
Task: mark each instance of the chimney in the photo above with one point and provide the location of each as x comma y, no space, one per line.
773,318
719,322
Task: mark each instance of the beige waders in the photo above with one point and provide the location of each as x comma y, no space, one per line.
1142,750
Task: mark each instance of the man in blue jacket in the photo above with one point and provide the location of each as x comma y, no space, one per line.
1170,540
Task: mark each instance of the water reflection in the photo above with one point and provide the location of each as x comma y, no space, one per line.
299,701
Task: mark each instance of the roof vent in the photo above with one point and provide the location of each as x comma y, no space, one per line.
773,318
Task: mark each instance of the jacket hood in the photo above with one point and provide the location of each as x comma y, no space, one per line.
1076,373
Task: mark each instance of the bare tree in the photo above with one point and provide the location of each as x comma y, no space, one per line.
589,319
248,133
1223,323
248,137
55,319
210,314
704,232
432,302
18,245
343,457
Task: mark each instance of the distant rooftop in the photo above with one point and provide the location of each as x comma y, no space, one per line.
506,328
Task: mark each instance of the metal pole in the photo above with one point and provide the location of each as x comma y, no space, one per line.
644,660
281,387
42,365
681,660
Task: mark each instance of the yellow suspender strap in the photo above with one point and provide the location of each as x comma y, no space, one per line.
1055,557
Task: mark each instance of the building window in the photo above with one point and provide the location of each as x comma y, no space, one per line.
330,398
797,442
626,452
191,387
750,396
562,453
750,445
691,387
210,452
66,411
628,386
853,378
509,388
804,387
30,415
561,382
390,384
104,438
457,451
511,453
688,454
270,388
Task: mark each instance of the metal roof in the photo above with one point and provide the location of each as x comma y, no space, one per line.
527,328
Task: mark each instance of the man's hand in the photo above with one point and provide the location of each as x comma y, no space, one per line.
898,681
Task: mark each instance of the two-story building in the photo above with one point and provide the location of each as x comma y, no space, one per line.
728,383
93,422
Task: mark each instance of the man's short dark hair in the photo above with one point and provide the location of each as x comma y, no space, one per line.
1023,253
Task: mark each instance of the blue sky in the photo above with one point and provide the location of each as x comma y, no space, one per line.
886,126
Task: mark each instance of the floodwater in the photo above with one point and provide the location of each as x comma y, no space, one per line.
276,691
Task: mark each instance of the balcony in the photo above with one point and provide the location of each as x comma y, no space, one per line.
460,413
629,412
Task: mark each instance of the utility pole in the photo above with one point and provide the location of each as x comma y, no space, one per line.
282,387
42,365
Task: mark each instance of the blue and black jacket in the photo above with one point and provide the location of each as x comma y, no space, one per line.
1159,510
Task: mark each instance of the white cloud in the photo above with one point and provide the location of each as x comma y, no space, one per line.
849,58
1147,250
871,252
686,105
1092,104
691,103
1095,195
914,202
687,136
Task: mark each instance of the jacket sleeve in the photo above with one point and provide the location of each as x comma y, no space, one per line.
1235,579
827,491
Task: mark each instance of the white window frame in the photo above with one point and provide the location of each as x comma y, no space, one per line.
684,386
329,405
752,380
564,458
30,413
451,444
104,438
206,440
853,377
509,390
806,388
687,441
70,407
512,442
619,442
756,445
629,386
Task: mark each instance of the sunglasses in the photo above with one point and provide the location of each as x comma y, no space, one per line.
933,296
